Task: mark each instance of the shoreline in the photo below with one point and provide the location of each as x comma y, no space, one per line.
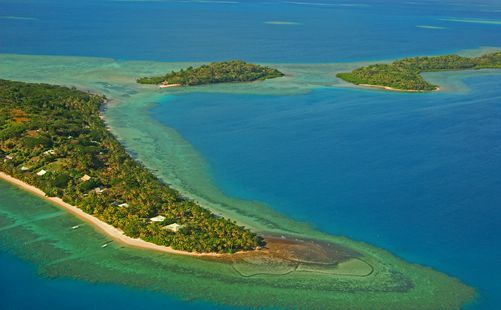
169,85
398,90
107,229
200,260
278,246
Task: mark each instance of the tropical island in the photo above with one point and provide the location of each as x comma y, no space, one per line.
404,74
53,138
216,72
336,272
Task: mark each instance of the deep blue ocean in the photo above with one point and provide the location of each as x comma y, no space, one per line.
416,174
326,31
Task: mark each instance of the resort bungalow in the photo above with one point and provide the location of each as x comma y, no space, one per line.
8,157
123,205
173,227
49,152
85,178
99,190
24,168
158,218
41,173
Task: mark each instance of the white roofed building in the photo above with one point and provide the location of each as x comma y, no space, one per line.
99,190
174,227
85,178
159,218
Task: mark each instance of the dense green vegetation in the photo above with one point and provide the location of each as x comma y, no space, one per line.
216,72
404,74
59,130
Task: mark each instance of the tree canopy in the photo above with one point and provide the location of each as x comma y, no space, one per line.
404,74
59,130
216,72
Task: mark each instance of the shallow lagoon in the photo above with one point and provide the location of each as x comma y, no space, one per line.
174,160
413,174
321,31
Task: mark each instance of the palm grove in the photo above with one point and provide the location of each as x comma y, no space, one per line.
216,72
52,137
404,74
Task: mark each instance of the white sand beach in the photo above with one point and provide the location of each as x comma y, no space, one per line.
101,226
396,89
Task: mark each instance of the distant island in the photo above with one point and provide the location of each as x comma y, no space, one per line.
53,138
404,74
216,72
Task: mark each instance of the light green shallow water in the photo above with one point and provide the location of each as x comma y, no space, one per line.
62,252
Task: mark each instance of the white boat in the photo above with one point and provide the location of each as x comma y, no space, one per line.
75,227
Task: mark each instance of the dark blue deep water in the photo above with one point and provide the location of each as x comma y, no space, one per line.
418,175
327,30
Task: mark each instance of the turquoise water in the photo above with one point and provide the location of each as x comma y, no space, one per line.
22,288
32,286
417,174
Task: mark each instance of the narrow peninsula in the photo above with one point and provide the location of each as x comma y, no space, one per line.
54,143
216,72
53,138
405,74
